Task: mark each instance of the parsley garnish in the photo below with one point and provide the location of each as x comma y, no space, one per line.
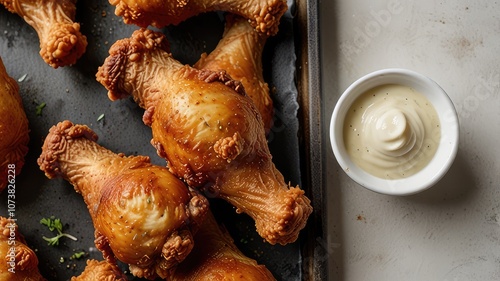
55,224
77,255
39,108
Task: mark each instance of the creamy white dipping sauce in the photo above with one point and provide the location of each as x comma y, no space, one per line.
391,131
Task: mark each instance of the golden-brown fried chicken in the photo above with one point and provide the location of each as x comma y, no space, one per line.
208,130
216,257
142,214
18,262
61,42
100,270
263,15
239,53
14,130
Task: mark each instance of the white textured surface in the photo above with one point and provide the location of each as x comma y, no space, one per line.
450,232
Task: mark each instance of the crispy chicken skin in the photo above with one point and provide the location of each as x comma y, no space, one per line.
100,270
142,214
216,257
61,42
239,53
17,261
14,129
208,130
263,15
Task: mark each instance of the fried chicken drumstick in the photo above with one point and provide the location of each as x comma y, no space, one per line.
14,130
61,42
216,257
142,214
239,53
100,270
263,15
18,262
208,130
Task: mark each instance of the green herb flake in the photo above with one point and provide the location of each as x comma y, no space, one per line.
77,255
100,117
39,108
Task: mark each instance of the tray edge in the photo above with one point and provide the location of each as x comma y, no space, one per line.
315,250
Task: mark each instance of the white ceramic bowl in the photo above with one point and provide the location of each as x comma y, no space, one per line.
447,148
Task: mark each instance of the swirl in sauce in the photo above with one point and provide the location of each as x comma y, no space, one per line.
391,131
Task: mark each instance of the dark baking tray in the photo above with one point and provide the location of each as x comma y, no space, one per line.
291,65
